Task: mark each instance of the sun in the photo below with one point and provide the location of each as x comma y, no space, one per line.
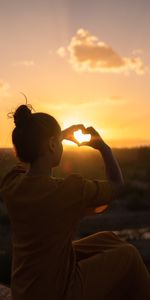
80,137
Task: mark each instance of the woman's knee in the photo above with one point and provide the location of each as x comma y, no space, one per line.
131,254
131,249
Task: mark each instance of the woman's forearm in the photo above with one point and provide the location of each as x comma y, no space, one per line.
112,167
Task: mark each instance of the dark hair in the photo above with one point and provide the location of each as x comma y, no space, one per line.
31,132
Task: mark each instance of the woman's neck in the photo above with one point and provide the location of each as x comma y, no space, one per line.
41,166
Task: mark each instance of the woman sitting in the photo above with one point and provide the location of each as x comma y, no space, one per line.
44,212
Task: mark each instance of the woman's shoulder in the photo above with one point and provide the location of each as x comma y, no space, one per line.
12,173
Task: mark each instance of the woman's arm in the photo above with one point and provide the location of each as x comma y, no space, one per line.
113,170
112,167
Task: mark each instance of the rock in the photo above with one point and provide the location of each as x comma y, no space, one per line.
5,292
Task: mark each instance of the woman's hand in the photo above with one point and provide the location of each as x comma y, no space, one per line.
96,140
68,133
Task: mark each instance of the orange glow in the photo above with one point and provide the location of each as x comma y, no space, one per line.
91,211
76,87
80,137
100,209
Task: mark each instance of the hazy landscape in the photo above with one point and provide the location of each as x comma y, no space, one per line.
129,217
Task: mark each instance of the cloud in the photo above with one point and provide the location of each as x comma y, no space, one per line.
137,52
88,53
105,101
115,100
61,52
25,63
4,89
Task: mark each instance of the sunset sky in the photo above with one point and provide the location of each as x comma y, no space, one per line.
81,61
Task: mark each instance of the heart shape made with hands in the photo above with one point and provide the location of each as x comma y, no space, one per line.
81,137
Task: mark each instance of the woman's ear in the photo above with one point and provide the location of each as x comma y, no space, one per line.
52,144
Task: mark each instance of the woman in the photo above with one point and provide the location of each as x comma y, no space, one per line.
44,212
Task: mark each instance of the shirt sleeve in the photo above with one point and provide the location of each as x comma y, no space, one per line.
97,195
15,171
87,194
98,192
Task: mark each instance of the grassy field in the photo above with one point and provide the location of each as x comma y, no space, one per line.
134,162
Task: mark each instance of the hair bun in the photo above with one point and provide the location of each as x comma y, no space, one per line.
21,116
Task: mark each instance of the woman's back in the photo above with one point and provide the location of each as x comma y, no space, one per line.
43,213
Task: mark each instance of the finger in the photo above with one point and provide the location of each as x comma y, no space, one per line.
83,144
79,126
92,131
72,139
66,133
75,126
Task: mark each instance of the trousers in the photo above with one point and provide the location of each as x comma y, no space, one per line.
110,269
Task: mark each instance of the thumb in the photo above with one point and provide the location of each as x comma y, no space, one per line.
83,144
